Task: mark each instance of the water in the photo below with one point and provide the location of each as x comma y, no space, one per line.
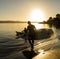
7,30
8,41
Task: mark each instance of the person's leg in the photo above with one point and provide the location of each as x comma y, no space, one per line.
29,40
32,45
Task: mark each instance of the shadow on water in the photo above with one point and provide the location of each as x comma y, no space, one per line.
29,54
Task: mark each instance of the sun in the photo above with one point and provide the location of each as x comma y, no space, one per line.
36,15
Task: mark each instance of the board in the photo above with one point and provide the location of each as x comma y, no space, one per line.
39,34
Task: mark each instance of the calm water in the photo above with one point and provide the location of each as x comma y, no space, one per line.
7,30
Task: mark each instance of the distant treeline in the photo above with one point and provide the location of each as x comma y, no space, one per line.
54,21
19,22
12,21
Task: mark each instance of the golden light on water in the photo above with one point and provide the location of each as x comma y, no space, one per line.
38,26
41,51
36,15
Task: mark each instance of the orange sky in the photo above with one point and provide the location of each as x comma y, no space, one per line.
21,9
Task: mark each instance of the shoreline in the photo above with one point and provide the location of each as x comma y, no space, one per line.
51,48
50,54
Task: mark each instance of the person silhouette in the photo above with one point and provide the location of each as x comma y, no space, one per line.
31,34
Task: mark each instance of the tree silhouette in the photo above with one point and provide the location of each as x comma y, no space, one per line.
54,21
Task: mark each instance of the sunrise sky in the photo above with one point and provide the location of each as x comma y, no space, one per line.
21,10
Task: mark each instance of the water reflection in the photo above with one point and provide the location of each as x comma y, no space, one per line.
40,26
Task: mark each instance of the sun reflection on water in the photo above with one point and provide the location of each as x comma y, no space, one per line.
40,26
41,51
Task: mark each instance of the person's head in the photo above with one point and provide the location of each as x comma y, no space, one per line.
29,22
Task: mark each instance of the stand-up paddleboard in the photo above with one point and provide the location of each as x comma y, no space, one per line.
40,34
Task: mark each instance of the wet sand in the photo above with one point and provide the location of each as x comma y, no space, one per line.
51,54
